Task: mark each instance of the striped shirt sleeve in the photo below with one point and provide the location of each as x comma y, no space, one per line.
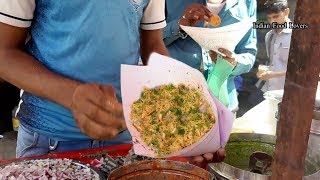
154,15
17,13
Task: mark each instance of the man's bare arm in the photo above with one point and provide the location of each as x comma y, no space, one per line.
24,71
151,41
94,106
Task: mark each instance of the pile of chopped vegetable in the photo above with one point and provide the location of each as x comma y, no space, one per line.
170,118
47,169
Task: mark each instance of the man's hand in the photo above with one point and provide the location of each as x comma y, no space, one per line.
213,56
270,74
265,75
203,160
229,56
194,14
97,112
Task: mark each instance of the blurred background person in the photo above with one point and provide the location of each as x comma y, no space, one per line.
183,48
277,46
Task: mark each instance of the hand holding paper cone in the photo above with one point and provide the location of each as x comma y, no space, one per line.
134,79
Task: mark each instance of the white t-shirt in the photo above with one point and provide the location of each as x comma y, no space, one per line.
19,13
83,40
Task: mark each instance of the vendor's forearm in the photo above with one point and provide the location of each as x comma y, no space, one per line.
145,53
151,41
27,73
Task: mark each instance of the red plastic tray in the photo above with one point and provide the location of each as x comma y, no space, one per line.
88,155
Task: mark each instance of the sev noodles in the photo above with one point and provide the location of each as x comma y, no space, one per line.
170,118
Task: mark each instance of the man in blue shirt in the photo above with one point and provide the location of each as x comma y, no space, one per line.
70,67
183,48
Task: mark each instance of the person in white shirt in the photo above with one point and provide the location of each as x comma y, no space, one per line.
277,45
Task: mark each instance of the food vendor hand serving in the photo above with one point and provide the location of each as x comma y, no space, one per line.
229,56
219,155
97,112
203,160
194,14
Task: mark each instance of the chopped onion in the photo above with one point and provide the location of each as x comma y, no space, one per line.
44,169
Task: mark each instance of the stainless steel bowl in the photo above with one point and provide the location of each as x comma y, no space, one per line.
257,158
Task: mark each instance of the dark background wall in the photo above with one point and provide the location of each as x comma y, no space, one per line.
9,98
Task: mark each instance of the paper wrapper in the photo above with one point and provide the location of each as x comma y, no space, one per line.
163,70
226,118
223,37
